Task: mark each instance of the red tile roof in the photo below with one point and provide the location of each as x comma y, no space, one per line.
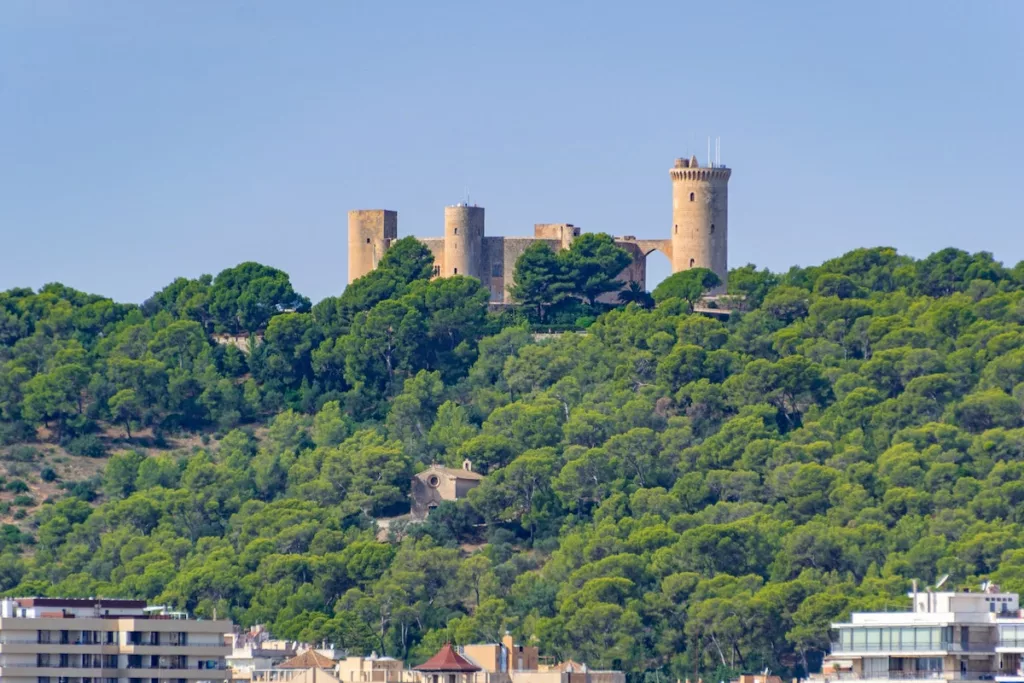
447,659
310,659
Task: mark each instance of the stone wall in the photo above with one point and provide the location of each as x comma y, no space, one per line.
511,249
370,233
436,247
699,237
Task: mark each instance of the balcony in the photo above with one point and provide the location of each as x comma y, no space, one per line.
908,676
942,646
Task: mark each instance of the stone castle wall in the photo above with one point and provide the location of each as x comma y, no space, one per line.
698,238
370,233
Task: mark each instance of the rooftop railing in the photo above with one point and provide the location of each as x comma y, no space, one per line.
942,646
912,676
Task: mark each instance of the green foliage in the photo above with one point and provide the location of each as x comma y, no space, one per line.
587,269
665,492
246,297
540,279
688,285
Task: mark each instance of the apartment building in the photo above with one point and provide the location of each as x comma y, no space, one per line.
372,669
953,636
57,640
503,657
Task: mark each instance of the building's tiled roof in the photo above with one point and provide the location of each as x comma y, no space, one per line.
310,659
452,472
447,659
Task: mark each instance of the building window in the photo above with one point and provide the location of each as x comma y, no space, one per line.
433,481
712,228
691,263
677,229
496,270
437,270
692,196
456,231
367,240
456,271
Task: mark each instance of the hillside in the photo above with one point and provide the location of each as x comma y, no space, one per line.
665,492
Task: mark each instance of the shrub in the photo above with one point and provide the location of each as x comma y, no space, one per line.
48,474
18,469
20,454
16,486
85,490
13,432
20,513
24,501
89,445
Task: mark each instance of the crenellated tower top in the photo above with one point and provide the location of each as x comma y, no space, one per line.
689,169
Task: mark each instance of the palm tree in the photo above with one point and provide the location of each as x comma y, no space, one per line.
634,293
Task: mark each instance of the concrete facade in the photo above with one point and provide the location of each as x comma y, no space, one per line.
946,635
503,657
698,237
372,669
115,641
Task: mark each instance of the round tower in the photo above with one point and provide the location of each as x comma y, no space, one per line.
463,240
700,218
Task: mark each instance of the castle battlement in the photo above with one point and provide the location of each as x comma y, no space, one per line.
698,237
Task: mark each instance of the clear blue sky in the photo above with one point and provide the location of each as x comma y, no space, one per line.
140,141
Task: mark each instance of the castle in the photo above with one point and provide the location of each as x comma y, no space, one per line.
699,236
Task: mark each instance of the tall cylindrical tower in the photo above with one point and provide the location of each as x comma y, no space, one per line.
463,240
700,218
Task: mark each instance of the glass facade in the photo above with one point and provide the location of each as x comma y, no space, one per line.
1011,635
896,639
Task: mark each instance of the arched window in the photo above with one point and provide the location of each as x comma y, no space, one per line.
692,196
456,271
691,263
712,228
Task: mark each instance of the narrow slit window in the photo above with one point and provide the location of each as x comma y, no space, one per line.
712,228
692,196
691,263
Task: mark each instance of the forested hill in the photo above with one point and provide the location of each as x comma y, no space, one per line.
665,491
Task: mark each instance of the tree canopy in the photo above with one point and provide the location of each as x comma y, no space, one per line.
664,492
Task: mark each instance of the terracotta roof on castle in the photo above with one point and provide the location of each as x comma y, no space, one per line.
447,659
310,659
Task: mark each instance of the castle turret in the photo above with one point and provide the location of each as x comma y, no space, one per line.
463,240
700,218
370,233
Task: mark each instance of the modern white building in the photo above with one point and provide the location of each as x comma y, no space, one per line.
57,640
953,636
